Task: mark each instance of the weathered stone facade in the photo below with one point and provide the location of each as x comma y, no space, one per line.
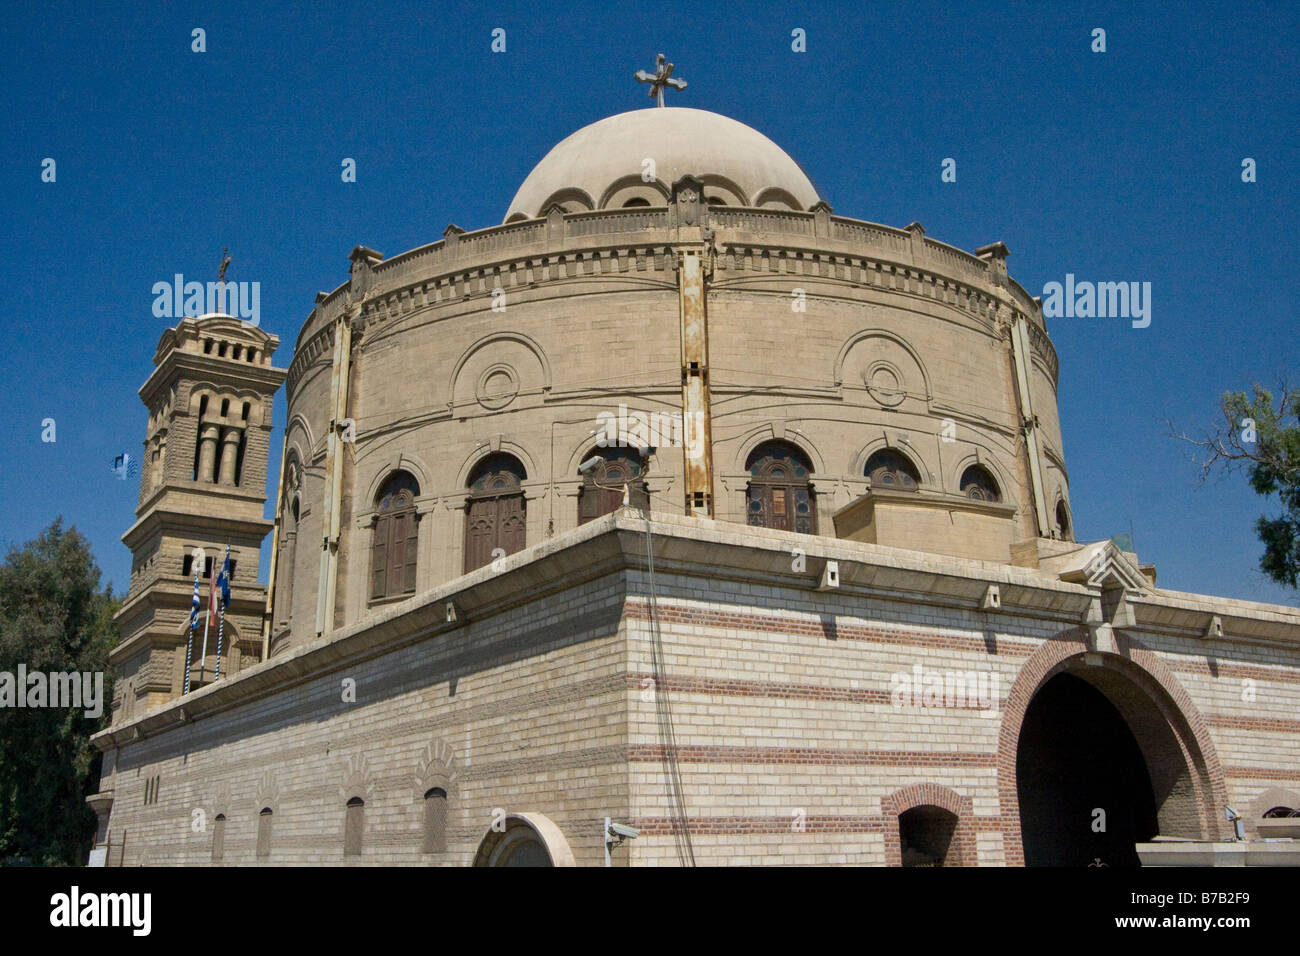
737,698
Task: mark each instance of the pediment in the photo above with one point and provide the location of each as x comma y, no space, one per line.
1101,565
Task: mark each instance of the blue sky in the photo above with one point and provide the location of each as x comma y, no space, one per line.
1123,165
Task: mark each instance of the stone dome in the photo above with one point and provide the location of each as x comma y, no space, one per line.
600,166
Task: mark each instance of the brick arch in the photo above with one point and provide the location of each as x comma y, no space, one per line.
1141,668
962,852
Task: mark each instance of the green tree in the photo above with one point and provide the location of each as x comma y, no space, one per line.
1263,436
53,618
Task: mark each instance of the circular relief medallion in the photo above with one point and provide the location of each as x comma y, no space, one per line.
885,384
497,387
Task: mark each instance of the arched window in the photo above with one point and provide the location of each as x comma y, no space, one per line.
354,826
1280,812
892,469
218,837
435,821
394,545
264,833
602,486
1062,521
635,202
288,543
925,835
977,483
780,494
495,516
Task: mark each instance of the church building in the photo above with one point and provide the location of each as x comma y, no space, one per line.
675,520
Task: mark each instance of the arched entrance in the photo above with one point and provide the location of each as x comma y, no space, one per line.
524,839
1100,751
1084,788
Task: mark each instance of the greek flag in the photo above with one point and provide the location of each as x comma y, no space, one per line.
125,466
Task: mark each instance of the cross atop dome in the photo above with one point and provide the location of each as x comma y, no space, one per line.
663,76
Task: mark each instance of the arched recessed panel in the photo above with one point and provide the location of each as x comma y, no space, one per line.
498,372
878,368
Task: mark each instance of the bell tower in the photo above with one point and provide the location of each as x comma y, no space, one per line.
202,485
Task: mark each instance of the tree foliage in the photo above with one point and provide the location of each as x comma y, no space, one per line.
1262,435
53,619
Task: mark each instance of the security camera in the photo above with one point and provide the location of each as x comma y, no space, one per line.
623,831
1238,824
592,462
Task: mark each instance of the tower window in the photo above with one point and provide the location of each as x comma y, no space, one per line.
239,456
246,408
225,407
252,355
207,346
221,350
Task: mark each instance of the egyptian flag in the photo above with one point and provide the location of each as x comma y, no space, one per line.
212,602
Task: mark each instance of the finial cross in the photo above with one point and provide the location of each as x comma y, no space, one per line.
661,77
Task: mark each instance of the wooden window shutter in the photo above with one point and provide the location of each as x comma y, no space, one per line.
379,557
396,554
412,548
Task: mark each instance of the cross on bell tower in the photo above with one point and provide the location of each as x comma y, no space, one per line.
663,76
